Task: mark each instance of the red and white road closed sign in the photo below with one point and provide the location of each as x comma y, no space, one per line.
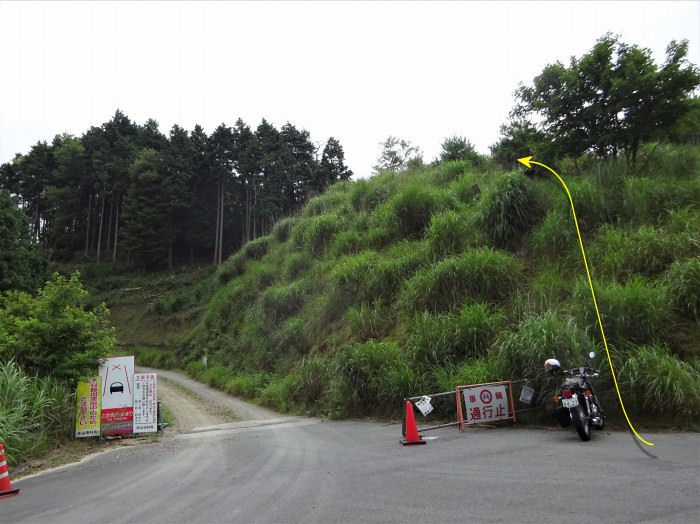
117,395
486,403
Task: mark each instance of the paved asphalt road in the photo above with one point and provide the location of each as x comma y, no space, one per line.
294,469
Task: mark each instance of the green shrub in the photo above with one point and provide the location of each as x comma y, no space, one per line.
256,249
475,275
549,290
154,357
380,237
235,265
55,334
277,393
260,275
246,385
635,311
298,233
657,382
508,210
283,228
683,281
216,376
684,220
453,337
195,368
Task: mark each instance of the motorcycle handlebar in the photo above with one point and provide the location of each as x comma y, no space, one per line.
588,372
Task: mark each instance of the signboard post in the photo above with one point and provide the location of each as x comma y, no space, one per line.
117,375
87,419
145,403
485,403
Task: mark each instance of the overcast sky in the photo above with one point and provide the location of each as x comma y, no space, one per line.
358,71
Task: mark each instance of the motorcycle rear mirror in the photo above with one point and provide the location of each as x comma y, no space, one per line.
591,355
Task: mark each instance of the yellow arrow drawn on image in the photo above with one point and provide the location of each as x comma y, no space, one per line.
527,161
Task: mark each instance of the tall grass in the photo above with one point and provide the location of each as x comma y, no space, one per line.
367,276
683,281
450,338
508,210
368,320
319,232
374,377
451,232
555,237
647,200
441,274
407,214
648,251
235,265
282,228
637,311
521,353
477,275
34,412
659,383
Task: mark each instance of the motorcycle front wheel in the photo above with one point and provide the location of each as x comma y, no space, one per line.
582,423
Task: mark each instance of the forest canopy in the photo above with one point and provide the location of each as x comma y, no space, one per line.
128,192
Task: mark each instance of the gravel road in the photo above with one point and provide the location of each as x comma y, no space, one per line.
241,410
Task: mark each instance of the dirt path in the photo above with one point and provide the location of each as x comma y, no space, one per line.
194,404
188,410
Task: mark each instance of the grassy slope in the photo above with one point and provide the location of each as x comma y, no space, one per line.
413,282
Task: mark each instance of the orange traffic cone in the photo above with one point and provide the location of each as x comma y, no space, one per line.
5,486
412,436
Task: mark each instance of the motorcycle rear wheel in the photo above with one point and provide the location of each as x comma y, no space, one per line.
582,423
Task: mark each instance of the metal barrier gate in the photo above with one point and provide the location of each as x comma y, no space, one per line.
525,398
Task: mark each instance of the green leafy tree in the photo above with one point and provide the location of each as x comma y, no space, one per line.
301,173
395,154
333,166
23,264
459,148
611,99
64,231
145,231
53,334
518,138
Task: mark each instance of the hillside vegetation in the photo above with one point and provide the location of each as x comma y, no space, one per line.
413,282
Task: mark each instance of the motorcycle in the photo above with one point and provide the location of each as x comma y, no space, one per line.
577,402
